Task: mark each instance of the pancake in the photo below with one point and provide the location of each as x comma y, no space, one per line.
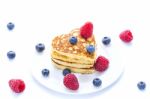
71,64
73,56
62,46
75,70
70,58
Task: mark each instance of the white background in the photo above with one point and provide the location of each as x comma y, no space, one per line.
35,20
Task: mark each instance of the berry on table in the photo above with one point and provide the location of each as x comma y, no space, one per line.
66,71
90,49
10,26
45,72
11,54
86,30
106,40
101,64
141,85
126,36
71,82
40,47
73,40
97,82
17,85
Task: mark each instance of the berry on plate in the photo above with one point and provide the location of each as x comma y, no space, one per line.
126,36
66,71
90,48
71,81
101,64
45,72
97,82
86,30
40,47
141,85
73,40
10,26
17,85
11,54
106,40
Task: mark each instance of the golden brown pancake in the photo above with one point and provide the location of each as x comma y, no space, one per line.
75,56
71,59
75,70
72,64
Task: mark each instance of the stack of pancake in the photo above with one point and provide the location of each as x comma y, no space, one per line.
74,57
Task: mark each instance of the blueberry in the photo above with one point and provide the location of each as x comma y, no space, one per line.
97,82
40,47
11,54
45,72
10,26
141,85
90,48
73,40
66,71
106,40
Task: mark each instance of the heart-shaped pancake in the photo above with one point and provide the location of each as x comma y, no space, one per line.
73,56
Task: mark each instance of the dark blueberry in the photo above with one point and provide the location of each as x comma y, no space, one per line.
73,40
40,47
45,72
97,82
66,71
10,26
106,40
90,48
141,85
11,54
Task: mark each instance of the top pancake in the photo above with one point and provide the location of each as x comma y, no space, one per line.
61,45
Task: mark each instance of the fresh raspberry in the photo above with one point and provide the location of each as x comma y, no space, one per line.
17,85
101,64
86,30
71,81
126,36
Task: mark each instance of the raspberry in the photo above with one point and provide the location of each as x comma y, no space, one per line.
86,30
71,81
17,85
101,64
126,36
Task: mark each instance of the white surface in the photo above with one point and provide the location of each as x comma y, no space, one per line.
35,20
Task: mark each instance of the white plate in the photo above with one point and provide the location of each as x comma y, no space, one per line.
109,77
